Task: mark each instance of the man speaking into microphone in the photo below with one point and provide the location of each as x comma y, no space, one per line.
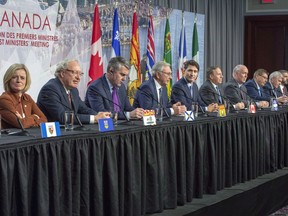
108,93
61,94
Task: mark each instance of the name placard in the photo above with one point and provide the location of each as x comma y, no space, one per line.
221,110
149,117
105,124
189,116
50,129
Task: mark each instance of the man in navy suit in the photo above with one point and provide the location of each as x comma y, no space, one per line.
152,93
61,94
272,87
255,88
99,95
185,90
234,89
211,91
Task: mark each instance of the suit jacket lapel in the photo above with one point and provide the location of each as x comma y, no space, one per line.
64,93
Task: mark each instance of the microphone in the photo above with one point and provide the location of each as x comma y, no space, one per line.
273,90
159,104
201,108
249,98
81,127
122,111
220,95
23,132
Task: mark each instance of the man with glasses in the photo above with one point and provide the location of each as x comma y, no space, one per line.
185,90
108,93
152,94
60,94
272,87
255,87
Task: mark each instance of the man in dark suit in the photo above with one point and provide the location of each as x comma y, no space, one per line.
152,93
234,89
284,85
272,87
255,88
185,90
211,91
61,94
108,93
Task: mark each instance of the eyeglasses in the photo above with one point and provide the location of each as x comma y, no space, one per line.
78,73
266,78
167,73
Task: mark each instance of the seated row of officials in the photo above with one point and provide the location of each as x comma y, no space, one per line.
108,93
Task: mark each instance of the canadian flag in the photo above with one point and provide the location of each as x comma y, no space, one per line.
96,62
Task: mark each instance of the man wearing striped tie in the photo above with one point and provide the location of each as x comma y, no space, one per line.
211,90
255,87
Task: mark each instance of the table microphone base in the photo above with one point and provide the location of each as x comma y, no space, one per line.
19,133
81,128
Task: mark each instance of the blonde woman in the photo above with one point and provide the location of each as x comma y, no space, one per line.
16,103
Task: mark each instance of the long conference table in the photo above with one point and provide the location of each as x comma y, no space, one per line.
138,169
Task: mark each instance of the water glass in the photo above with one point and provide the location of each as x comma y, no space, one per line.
194,108
69,120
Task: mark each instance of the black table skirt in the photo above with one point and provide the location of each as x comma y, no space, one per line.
136,169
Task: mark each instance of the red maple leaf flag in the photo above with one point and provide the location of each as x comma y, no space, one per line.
96,63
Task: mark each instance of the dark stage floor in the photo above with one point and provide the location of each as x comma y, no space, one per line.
258,197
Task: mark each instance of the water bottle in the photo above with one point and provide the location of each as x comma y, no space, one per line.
274,104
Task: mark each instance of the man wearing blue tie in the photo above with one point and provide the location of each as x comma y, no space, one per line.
255,87
211,91
186,91
152,93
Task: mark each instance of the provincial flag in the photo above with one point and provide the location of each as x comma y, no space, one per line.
134,73
182,50
150,47
115,36
167,52
96,62
195,44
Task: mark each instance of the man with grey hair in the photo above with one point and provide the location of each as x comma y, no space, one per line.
152,93
61,94
284,85
234,89
108,93
272,87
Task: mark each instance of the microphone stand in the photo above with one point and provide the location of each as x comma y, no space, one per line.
159,104
222,96
203,112
23,132
250,100
81,127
